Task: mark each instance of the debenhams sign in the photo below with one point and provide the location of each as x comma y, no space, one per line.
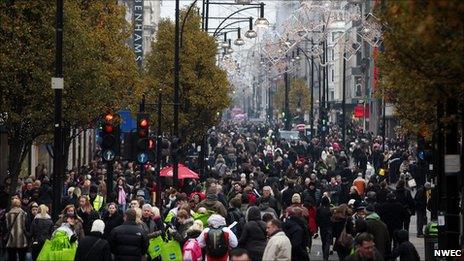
138,30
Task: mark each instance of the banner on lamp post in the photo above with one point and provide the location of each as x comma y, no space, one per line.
138,30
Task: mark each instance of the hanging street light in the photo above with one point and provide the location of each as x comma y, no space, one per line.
239,41
251,33
261,22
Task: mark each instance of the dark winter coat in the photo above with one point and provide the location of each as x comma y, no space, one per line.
111,222
87,219
213,205
323,217
128,242
403,196
380,232
393,215
405,249
41,228
296,230
91,250
420,199
254,235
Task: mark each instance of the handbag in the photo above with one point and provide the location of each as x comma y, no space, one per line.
345,240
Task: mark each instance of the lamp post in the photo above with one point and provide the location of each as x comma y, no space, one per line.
57,85
175,143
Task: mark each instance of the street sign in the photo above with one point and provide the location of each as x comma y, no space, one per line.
142,158
108,155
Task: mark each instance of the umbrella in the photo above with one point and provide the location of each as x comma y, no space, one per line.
184,172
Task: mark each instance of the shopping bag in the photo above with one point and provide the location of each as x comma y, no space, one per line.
66,254
45,252
171,251
154,249
412,183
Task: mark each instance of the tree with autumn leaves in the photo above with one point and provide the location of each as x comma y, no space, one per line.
422,63
298,97
100,72
204,88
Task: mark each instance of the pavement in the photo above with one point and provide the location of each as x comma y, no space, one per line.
316,250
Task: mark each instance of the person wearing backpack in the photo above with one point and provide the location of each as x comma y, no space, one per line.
253,237
235,215
94,246
191,250
217,239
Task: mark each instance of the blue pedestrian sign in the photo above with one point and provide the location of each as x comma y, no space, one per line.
142,157
108,155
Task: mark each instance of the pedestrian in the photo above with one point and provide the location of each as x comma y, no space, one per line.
86,213
342,223
297,231
16,240
217,239
379,230
420,200
239,254
404,196
96,200
191,250
405,250
212,203
112,218
278,247
364,249
41,230
94,247
253,237
128,241
323,220
393,214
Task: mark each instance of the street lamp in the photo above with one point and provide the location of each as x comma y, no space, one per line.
225,44
239,41
229,49
261,22
251,33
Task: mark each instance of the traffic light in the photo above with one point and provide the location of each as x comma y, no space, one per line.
145,144
110,136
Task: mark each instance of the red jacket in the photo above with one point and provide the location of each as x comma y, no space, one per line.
312,226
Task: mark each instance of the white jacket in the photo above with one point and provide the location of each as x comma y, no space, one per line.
278,248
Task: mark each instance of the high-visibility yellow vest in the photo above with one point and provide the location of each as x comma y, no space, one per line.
97,202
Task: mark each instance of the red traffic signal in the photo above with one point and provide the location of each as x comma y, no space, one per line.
143,123
108,128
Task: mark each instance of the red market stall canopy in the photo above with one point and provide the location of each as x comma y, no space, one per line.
184,172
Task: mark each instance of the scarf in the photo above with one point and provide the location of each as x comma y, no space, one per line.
121,196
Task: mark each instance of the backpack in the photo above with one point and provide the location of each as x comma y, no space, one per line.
216,242
194,248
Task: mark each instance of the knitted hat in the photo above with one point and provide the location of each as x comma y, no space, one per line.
197,226
296,198
98,226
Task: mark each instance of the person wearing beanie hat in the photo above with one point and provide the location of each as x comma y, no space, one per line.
191,250
379,230
96,200
94,246
217,225
212,203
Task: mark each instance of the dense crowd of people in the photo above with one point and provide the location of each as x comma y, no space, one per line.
259,197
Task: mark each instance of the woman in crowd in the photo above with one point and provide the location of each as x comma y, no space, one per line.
41,230
112,218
